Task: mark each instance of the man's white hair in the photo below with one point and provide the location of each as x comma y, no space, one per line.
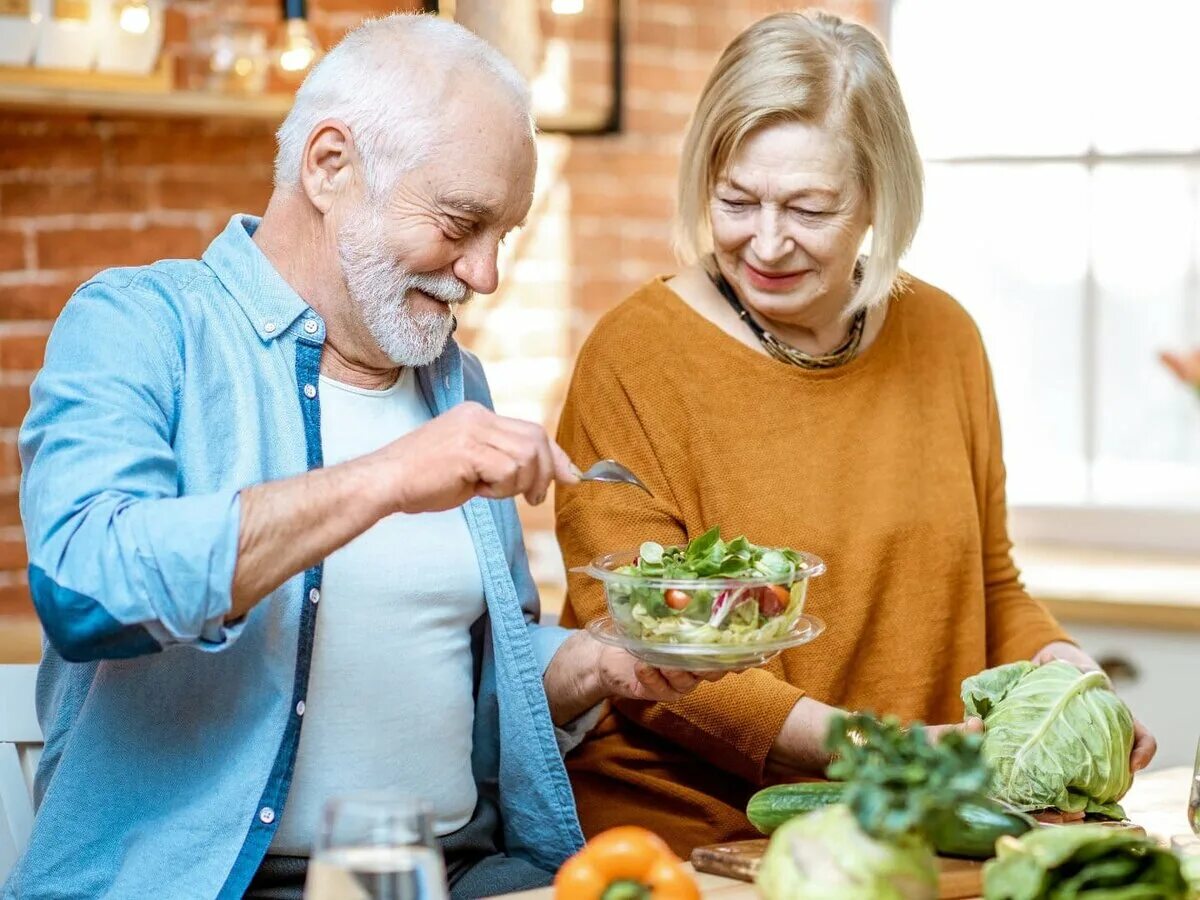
387,80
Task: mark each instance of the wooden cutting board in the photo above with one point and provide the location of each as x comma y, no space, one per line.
957,878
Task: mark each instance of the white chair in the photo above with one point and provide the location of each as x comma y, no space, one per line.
20,749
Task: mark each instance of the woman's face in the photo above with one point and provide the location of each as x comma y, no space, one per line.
788,218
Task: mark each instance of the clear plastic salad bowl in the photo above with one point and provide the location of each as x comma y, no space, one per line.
705,623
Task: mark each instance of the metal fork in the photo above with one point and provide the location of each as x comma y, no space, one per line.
612,471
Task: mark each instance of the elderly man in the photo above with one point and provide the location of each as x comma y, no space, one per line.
268,543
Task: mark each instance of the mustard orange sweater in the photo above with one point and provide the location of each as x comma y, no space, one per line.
889,468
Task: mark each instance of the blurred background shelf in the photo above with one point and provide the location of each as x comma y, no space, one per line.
168,104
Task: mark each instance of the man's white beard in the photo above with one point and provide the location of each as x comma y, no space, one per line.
380,286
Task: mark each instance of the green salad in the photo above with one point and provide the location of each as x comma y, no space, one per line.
727,612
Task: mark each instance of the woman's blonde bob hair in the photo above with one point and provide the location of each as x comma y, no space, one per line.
809,67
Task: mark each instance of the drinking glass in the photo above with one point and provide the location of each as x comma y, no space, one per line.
1194,797
376,847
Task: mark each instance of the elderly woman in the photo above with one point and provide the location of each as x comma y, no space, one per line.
784,387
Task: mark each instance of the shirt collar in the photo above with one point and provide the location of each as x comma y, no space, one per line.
268,301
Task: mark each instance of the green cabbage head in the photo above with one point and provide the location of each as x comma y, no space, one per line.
824,855
1055,736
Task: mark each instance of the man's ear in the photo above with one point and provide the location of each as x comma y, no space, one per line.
329,164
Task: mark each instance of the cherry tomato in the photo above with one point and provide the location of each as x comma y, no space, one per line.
677,599
773,599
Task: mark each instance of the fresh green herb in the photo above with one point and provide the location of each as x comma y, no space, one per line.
878,843
899,782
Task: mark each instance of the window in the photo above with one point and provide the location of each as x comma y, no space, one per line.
1062,148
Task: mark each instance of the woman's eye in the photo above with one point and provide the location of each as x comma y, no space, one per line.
736,204
811,213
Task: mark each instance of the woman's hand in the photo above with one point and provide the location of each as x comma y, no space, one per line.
624,675
585,672
1144,744
973,725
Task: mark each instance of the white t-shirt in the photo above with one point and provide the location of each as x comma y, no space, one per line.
390,702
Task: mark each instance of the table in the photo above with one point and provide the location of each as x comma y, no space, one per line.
1157,801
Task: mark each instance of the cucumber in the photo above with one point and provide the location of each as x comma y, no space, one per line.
970,831
771,807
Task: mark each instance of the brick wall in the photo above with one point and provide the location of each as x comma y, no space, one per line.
79,194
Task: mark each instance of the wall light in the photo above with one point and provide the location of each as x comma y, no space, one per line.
298,47
133,16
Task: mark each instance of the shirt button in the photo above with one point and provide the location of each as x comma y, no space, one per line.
314,595
310,391
268,327
300,708
266,815
310,326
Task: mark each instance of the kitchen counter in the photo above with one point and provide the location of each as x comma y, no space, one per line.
1114,587
1157,802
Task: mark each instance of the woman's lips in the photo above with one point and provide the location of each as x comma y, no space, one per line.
772,281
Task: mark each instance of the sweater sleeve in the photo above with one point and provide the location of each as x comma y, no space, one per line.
1017,624
731,723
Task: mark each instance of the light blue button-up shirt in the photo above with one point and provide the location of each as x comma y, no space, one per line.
171,735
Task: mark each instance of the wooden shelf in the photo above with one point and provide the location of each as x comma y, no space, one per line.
108,94
170,104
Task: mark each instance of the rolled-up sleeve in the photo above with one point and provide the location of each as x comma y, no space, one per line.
120,564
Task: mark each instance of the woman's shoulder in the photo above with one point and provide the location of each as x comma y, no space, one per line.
650,310
936,313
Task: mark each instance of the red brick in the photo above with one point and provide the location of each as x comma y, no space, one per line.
14,403
10,508
596,199
188,145
99,194
35,300
104,247
600,296
14,599
12,550
225,193
12,250
47,151
10,461
22,352
364,7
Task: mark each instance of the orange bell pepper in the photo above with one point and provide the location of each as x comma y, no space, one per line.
626,863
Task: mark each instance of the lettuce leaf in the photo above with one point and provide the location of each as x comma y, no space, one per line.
1082,861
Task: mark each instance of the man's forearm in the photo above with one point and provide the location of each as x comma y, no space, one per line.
289,525
800,747
572,680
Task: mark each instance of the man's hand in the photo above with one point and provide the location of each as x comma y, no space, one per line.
585,672
466,452
1144,744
